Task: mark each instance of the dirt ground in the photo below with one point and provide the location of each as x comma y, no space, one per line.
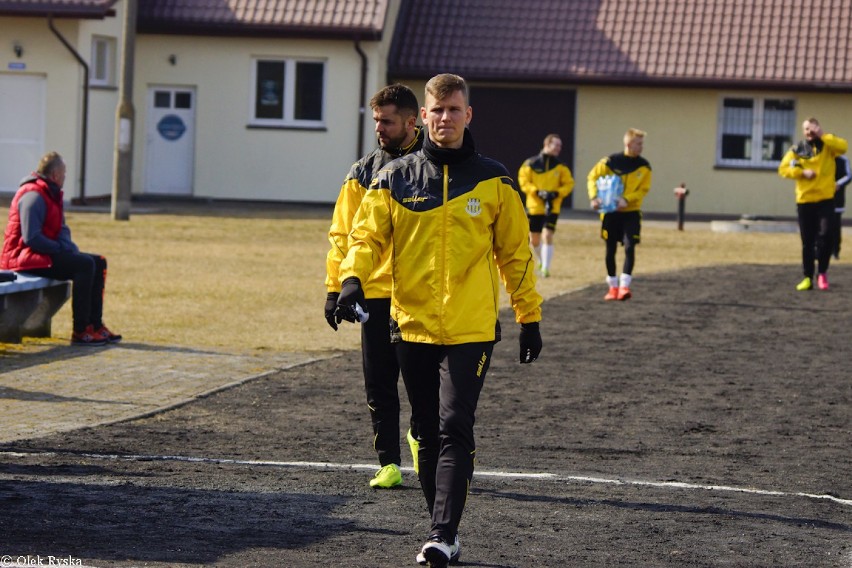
706,422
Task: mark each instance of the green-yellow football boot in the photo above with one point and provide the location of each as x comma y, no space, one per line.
805,284
387,477
414,446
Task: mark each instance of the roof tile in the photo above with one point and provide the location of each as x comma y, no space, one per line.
71,8
341,18
676,41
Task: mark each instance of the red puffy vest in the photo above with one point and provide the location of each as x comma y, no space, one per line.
16,254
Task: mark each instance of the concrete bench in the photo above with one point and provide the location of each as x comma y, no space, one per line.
28,303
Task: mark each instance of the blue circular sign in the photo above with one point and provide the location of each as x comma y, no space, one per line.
171,127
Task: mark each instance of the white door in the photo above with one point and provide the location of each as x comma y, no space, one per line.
22,113
170,141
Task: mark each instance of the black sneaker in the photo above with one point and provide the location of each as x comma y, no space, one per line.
437,553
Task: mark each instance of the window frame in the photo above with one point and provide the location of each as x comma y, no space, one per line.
110,64
756,162
288,120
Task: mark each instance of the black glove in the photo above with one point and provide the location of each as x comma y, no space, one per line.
543,195
351,294
330,308
551,195
530,340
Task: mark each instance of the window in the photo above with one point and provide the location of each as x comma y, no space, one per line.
182,99
102,66
755,132
287,92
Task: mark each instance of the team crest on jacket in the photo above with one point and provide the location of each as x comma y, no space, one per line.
474,207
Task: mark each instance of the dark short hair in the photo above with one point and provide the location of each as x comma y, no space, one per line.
398,95
49,163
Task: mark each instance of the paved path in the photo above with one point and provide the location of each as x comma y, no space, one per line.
52,387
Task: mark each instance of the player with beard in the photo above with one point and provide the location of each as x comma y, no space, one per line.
395,111
456,224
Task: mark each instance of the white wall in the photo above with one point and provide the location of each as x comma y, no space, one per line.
234,161
103,102
45,56
681,146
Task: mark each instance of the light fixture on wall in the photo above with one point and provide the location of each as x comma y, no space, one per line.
18,49
173,59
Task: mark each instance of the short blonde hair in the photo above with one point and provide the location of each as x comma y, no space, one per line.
550,137
633,133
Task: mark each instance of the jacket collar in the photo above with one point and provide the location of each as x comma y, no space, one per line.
450,155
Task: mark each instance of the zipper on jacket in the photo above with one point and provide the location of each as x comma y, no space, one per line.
443,272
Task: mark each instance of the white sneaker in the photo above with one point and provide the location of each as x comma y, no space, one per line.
435,546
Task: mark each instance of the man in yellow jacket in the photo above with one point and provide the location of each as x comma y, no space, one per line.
456,225
622,223
546,181
395,111
811,163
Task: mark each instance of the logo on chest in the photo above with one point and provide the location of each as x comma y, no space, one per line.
474,207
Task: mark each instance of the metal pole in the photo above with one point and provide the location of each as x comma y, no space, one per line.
362,104
125,114
681,192
84,130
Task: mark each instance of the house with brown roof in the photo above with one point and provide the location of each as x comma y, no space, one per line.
255,99
721,86
57,88
233,99
267,99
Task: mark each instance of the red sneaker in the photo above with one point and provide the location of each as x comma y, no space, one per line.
822,281
108,336
87,337
624,293
612,294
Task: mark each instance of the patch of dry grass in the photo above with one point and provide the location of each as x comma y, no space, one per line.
255,282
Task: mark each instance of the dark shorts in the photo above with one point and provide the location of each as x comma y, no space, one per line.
539,222
622,227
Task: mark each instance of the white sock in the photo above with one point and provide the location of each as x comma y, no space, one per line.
625,280
546,256
612,281
537,254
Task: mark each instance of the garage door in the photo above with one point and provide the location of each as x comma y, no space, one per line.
21,127
509,124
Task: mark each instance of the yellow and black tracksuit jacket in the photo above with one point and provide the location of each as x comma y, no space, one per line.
544,173
378,285
635,173
455,224
818,156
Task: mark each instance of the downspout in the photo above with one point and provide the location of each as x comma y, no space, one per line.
362,102
84,129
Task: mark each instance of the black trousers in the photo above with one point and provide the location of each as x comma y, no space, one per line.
443,383
381,375
837,233
625,228
815,223
87,273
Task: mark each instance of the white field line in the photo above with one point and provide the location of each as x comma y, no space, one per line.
478,473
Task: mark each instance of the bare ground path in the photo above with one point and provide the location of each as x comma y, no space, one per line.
706,422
